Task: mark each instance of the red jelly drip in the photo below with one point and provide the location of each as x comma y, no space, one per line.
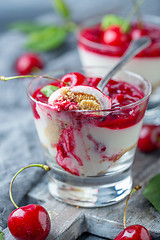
66,151
39,96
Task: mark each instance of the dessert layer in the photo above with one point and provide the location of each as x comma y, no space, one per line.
89,142
149,68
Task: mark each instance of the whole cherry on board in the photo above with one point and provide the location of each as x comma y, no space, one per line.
149,139
30,222
133,232
28,63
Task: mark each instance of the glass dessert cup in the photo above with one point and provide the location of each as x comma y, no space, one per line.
90,152
146,64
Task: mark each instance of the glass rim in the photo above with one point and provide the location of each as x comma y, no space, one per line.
146,96
150,19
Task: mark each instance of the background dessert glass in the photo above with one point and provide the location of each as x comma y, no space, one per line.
97,54
98,146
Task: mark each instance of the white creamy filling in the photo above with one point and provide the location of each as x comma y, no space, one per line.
149,68
116,142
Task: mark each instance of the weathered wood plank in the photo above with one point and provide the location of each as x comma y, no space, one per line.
69,222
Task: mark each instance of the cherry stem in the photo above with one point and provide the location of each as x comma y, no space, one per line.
43,166
125,211
3,78
134,9
137,10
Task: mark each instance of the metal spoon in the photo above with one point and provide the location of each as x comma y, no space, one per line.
134,48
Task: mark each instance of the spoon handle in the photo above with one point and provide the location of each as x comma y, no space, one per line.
135,47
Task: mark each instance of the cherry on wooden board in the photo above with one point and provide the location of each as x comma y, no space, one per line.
31,222
133,232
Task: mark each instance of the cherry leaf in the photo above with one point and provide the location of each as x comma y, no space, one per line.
152,191
112,20
48,90
47,39
27,27
1,235
61,8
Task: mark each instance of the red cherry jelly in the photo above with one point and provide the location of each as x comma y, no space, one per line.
112,42
121,93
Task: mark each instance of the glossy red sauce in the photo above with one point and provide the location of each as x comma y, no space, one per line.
121,93
94,35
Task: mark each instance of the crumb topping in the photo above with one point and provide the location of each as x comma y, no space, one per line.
67,95
85,101
89,105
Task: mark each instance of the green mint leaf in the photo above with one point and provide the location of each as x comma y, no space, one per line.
110,20
48,39
1,235
48,90
61,8
152,191
27,27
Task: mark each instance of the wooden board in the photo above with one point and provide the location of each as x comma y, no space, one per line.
69,222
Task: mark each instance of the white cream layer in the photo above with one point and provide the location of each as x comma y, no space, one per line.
116,142
149,68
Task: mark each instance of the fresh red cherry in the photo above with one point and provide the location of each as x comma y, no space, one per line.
29,222
72,79
138,32
149,139
134,232
28,63
114,36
